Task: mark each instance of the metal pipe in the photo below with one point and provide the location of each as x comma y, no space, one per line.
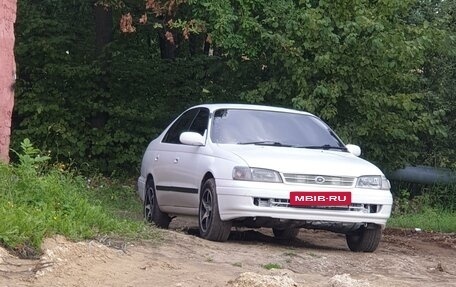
424,175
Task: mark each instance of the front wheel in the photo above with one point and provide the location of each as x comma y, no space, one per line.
211,227
152,212
365,239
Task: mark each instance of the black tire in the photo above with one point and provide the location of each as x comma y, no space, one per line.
285,233
365,239
211,227
152,212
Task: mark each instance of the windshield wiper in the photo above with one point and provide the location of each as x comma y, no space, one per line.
325,147
268,143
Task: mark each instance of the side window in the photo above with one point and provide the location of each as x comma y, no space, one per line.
181,125
199,124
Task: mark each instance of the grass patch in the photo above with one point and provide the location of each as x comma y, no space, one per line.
270,266
116,197
429,219
35,205
432,209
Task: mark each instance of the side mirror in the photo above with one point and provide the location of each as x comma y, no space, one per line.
192,138
354,149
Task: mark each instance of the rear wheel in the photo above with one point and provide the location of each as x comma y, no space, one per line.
365,239
211,227
152,212
285,233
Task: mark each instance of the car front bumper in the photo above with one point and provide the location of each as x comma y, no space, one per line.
242,199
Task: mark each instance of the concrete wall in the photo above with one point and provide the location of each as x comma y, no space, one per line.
7,73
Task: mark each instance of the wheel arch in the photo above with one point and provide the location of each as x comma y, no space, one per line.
149,177
206,176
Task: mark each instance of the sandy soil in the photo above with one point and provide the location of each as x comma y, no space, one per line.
315,258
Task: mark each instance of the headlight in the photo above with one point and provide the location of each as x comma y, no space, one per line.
373,181
256,174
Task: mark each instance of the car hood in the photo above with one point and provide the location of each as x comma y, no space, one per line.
303,161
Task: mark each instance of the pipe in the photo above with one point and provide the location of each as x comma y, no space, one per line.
424,175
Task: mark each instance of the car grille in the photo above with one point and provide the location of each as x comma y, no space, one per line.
318,179
277,202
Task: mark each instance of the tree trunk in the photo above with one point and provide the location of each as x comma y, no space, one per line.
103,26
7,73
167,45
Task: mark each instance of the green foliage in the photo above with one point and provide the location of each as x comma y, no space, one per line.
30,157
357,64
437,196
34,206
382,74
434,208
430,219
55,76
98,113
402,202
270,266
440,75
442,196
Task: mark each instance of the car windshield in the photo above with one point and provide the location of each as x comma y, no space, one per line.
238,126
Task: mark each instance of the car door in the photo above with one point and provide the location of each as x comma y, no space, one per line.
176,178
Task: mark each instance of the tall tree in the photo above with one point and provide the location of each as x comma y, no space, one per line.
357,64
7,73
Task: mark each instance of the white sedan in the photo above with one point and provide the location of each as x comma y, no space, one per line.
258,166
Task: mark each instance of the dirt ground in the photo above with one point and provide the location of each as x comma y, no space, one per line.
315,258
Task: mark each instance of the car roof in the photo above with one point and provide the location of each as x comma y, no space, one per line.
214,107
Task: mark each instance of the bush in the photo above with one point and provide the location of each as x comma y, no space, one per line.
98,112
36,204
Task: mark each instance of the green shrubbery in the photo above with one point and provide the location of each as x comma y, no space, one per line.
38,201
433,209
428,219
98,112
380,74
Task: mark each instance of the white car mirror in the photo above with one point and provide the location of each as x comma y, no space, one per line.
354,149
192,138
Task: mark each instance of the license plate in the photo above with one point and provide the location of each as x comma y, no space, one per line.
317,198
